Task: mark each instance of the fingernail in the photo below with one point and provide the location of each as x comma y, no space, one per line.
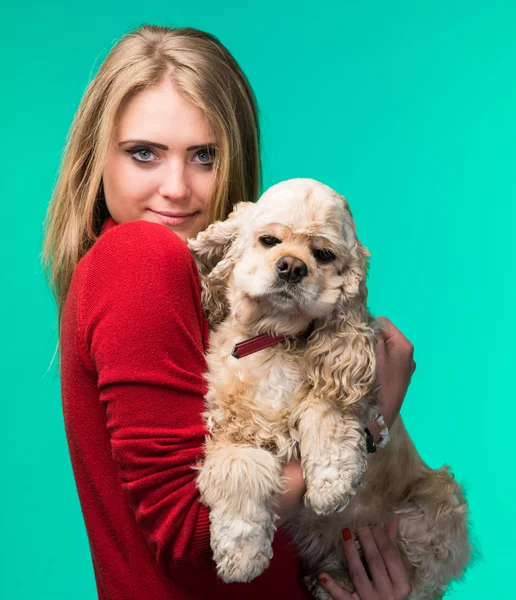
323,579
346,534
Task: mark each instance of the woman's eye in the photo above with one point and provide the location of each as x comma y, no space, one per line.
206,156
269,240
323,255
142,154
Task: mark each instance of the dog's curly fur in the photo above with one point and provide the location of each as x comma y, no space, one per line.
309,398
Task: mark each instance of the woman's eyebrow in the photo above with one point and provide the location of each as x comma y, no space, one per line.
163,147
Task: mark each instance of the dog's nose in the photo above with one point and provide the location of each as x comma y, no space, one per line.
291,269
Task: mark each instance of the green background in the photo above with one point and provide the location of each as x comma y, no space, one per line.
406,108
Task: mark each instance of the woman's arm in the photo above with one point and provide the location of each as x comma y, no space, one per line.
395,366
140,334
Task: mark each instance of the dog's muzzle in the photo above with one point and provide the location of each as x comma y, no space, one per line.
291,269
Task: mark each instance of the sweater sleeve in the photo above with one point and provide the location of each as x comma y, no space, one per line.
140,330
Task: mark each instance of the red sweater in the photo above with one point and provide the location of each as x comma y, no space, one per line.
133,341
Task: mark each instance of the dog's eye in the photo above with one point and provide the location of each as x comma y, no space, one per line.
323,255
269,240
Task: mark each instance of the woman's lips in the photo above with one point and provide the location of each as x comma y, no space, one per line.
170,218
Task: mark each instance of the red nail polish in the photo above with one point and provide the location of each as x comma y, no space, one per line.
346,534
323,579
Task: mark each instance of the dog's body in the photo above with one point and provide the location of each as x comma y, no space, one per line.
290,264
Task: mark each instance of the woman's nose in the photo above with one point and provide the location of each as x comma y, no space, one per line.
174,184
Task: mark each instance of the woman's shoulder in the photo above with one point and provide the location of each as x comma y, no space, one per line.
135,256
140,240
138,270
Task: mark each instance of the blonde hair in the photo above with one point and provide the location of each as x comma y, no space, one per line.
208,76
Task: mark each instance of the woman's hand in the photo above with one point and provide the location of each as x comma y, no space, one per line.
389,578
394,367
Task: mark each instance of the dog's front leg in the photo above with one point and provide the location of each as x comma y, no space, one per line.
333,456
240,485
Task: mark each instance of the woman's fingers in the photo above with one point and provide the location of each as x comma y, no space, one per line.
391,528
375,560
356,568
395,340
391,334
392,562
389,577
336,591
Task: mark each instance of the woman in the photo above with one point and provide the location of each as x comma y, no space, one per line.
164,142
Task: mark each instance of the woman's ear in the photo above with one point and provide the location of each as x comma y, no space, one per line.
340,357
214,254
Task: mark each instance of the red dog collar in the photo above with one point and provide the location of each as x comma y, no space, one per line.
259,342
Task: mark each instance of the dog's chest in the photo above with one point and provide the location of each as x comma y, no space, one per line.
265,382
276,382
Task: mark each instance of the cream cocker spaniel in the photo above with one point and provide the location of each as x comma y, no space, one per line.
284,288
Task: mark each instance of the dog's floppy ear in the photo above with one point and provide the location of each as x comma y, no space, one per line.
212,244
340,355
214,254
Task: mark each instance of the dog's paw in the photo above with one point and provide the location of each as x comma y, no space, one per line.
242,551
332,484
330,491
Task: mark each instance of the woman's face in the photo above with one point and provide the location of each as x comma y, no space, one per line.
159,166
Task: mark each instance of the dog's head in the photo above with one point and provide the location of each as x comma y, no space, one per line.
289,260
293,252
